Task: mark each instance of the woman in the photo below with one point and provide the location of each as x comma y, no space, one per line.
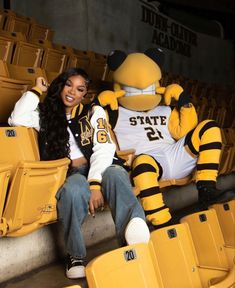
67,128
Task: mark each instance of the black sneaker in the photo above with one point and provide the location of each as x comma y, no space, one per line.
75,268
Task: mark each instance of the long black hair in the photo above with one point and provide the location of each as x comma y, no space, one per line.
53,134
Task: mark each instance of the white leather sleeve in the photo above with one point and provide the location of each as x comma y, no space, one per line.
26,112
103,149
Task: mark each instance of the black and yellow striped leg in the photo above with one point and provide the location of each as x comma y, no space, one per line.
145,175
205,142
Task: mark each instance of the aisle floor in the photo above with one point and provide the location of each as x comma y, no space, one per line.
53,275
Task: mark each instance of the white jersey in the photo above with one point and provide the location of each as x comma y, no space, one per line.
148,133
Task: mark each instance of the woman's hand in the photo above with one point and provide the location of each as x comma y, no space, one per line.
42,84
96,201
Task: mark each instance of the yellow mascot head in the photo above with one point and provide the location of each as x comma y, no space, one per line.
139,75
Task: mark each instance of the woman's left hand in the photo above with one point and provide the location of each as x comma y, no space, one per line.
96,201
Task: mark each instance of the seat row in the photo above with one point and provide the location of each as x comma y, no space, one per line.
198,252
15,49
15,22
27,185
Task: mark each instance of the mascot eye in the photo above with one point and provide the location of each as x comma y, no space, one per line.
115,59
156,54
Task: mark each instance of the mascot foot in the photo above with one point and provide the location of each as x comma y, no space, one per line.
208,194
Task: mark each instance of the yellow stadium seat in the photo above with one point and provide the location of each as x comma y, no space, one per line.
50,75
226,216
38,31
3,17
15,36
71,58
168,261
5,171
25,73
27,54
18,51
178,262
53,59
6,49
18,23
176,257
208,239
10,90
31,201
97,66
130,266
64,48
82,58
3,69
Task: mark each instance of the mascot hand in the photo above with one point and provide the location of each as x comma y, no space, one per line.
110,98
172,91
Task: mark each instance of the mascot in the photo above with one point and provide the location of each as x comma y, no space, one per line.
168,141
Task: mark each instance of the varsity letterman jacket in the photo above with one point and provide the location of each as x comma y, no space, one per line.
87,124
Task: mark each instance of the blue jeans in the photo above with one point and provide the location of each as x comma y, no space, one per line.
73,198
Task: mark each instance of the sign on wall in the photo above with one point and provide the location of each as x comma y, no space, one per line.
167,33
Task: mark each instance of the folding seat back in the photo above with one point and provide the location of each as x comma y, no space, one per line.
3,17
178,262
97,66
226,216
176,256
51,75
96,70
15,36
31,200
83,59
38,31
18,144
72,61
108,74
25,73
131,266
64,48
5,170
6,49
3,69
18,24
10,91
53,60
208,239
27,54
42,43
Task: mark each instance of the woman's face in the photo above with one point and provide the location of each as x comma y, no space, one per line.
73,92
